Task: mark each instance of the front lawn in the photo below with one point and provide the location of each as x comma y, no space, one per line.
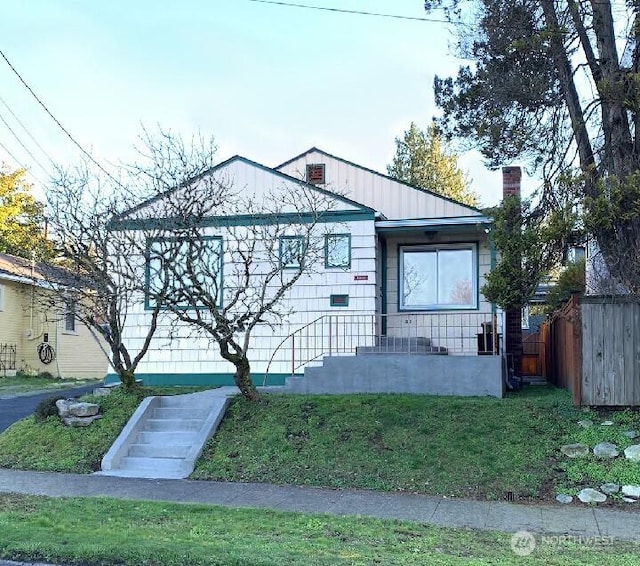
98,531
464,447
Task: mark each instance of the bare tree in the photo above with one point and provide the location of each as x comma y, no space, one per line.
192,235
104,283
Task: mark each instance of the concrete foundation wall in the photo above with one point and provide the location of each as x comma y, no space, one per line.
382,373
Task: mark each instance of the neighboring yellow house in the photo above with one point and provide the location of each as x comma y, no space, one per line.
39,333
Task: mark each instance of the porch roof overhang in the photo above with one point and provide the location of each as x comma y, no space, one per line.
460,224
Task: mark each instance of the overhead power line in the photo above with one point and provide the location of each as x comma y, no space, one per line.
355,12
84,151
19,163
22,144
27,131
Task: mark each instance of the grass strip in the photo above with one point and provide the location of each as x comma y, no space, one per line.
92,531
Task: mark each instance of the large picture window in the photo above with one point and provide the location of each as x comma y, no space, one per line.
438,277
179,269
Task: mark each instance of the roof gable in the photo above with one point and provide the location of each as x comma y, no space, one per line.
367,186
253,179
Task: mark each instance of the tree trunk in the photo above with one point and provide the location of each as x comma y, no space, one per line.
128,379
242,378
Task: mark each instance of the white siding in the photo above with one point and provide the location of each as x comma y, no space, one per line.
176,349
393,199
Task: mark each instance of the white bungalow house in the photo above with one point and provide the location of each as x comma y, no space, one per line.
393,303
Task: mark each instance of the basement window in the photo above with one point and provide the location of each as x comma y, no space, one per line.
339,300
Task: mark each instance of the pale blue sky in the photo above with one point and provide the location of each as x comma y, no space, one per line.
267,81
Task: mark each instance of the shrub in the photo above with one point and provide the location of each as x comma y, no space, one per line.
47,408
46,375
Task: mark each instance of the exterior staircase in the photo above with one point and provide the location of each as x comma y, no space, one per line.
402,345
166,435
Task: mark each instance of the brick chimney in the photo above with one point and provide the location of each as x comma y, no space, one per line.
511,177
511,181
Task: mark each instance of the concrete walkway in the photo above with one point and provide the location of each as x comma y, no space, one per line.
578,521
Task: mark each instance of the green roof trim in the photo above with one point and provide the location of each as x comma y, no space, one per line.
245,220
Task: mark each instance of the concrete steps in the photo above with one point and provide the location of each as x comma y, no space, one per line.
402,345
166,435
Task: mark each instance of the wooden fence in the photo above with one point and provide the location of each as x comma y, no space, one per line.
611,351
563,337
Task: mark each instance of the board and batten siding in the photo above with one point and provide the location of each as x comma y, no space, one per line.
78,354
394,199
610,351
176,349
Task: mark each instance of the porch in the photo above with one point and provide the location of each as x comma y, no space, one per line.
436,353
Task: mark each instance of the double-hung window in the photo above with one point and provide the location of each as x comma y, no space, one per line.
292,250
438,277
337,251
70,306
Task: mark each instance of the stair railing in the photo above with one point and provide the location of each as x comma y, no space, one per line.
335,334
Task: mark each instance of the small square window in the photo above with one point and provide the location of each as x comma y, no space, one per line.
339,300
337,250
291,251
70,315
315,173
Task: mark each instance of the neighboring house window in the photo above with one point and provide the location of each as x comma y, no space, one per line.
315,173
337,250
291,251
70,315
438,277
178,269
525,317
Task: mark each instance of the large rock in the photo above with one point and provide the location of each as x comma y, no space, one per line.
632,452
574,450
605,450
564,498
589,495
609,488
585,423
631,491
80,421
74,408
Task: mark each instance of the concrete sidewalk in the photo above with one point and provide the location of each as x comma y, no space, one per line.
578,521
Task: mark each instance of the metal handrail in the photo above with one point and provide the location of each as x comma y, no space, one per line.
343,334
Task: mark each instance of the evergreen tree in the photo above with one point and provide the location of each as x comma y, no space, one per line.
423,160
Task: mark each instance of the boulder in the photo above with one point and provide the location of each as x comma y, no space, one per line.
632,452
585,423
574,450
74,408
606,423
609,488
80,421
631,491
589,495
630,434
564,498
605,450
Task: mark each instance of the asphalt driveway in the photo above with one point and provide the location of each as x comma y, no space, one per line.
14,408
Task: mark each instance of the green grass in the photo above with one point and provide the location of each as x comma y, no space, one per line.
50,446
107,531
473,447
26,384
590,471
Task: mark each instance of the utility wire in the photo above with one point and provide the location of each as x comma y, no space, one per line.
22,144
18,162
56,120
27,131
356,12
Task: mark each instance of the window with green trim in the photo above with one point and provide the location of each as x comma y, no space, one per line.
438,277
292,251
183,272
337,251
